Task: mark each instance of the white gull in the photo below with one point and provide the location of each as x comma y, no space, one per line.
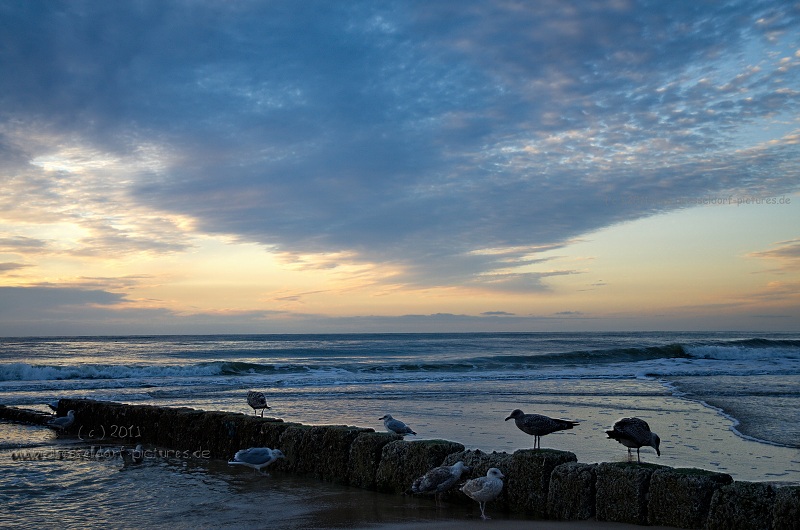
484,489
63,422
396,426
256,457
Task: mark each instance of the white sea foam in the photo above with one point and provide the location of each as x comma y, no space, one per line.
29,372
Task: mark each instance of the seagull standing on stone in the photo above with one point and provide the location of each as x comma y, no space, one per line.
484,489
63,422
439,479
256,457
634,433
396,426
537,425
257,400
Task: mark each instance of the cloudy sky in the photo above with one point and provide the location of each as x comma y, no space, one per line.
296,166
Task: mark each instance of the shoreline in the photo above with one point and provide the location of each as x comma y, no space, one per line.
539,484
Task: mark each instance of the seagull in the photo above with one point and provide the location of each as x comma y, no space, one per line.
63,422
439,479
484,489
396,426
132,457
537,425
256,457
634,433
257,400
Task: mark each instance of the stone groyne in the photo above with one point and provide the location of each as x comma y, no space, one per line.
541,484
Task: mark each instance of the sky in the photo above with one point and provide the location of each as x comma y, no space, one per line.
171,167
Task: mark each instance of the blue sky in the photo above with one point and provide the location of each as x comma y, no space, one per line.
181,167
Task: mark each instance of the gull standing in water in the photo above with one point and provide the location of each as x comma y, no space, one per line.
537,425
256,457
257,400
396,426
439,479
132,456
634,433
63,422
484,489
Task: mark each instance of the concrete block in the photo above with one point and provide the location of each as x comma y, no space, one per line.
682,497
572,492
622,491
786,511
320,451
528,479
742,506
402,462
365,457
479,463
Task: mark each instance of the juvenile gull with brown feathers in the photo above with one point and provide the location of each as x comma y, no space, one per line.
439,479
257,400
537,425
634,433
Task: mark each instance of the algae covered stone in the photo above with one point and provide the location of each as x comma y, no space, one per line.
786,511
479,464
682,497
321,451
528,479
742,505
365,457
571,496
622,491
402,462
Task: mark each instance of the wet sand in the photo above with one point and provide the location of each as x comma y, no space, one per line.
692,435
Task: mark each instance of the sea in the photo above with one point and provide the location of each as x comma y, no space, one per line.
723,401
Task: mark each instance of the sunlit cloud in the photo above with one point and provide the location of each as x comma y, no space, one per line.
10,266
244,161
785,255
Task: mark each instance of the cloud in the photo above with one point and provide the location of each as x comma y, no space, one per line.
11,266
16,302
21,244
403,134
79,310
786,254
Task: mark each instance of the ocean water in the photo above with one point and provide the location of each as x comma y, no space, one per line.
726,402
